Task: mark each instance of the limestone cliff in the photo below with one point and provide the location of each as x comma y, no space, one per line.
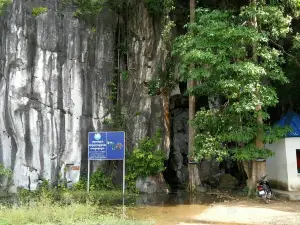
55,72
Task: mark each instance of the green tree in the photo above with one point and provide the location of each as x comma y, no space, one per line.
232,57
194,178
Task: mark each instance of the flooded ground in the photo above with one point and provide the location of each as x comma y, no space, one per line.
170,209
220,208
223,208
167,215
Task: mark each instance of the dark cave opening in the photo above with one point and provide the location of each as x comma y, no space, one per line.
176,173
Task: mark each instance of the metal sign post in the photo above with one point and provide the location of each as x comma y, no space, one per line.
106,146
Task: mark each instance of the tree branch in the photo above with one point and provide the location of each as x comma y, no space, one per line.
285,52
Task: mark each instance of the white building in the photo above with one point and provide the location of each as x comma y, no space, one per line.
284,169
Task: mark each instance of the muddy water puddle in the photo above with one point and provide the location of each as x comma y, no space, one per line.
167,215
172,209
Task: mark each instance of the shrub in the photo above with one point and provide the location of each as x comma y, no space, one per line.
38,10
98,181
145,160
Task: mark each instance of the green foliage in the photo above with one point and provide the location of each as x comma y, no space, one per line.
154,86
218,51
296,41
144,160
273,21
164,79
89,8
4,4
100,192
5,172
125,75
6,175
98,181
113,88
155,7
158,8
39,10
86,8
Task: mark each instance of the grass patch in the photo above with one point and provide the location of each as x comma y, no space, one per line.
46,213
66,196
66,207
63,206
59,205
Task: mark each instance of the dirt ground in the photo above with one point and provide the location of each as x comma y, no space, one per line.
241,211
246,212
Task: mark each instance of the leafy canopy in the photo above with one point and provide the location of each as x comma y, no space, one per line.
234,60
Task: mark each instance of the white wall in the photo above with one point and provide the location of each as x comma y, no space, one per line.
277,166
292,144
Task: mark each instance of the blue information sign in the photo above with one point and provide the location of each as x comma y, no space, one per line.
106,145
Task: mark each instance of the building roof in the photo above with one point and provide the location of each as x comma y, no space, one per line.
291,119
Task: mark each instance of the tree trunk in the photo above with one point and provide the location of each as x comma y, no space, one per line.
194,177
254,170
258,169
167,125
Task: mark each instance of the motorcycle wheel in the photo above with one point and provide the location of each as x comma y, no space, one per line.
270,195
265,199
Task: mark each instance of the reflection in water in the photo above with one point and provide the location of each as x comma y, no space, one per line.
179,198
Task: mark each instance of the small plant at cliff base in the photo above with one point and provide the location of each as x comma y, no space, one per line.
232,58
98,181
144,160
39,10
4,4
5,173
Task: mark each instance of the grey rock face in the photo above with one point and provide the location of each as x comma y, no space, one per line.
143,112
53,90
55,73
152,184
227,181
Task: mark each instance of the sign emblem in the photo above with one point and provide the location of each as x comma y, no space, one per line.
97,136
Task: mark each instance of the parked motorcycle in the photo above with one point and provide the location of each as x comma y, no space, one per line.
264,189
